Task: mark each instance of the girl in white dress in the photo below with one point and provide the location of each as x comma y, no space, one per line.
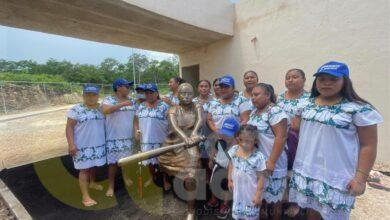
337,146
172,97
119,110
151,126
246,175
85,136
271,123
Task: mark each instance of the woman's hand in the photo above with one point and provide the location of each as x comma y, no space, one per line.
166,100
188,141
270,167
126,103
256,200
356,187
72,150
138,134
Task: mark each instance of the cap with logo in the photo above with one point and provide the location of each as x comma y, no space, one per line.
333,68
230,126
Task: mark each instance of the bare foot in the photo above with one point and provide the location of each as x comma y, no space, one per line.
110,192
292,210
167,186
128,182
148,182
95,186
88,202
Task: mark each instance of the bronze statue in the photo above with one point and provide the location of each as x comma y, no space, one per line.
179,156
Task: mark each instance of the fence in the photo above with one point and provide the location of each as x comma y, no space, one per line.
19,96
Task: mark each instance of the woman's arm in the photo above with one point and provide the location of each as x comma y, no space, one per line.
368,139
244,117
296,123
211,123
280,132
175,126
136,128
69,132
108,109
230,178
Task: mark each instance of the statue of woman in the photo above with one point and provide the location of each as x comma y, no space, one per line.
185,120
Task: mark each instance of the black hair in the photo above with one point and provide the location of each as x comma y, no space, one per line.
251,129
215,81
269,89
203,80
346,92
298,71
178,80
251,71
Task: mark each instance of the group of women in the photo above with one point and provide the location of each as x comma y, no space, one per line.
313,148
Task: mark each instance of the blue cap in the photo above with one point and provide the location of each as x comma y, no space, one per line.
230,126
121,82
226,80
151,87
140,87
334,68
91,89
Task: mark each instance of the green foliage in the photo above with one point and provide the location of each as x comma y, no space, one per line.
146,70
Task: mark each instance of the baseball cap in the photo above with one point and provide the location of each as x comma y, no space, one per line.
230,126
151,87
121,82
226,80
140,87
334,68
91,89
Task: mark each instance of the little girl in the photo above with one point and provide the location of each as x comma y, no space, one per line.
246,176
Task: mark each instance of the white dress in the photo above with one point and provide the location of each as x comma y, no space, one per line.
244,176
327,156
219,112
174,99
119,130
88,137
248,100
204,146
153,124
291,106
277,183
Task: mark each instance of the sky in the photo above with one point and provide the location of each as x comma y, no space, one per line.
19,44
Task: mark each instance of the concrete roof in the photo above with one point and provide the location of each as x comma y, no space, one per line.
166,26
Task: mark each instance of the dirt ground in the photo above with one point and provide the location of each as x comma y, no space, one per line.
30,139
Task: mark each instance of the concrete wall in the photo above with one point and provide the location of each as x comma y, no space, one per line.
305,34
215,15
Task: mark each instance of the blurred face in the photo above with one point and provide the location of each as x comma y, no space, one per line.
260,97
328,85
216,89
173,84
140,94
90,99
247,141
185,93
150,96
123,91
204,88
294,81
250,80
226,91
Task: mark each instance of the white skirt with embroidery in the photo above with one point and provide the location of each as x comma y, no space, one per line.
330,202
274,189
118,149
87,157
